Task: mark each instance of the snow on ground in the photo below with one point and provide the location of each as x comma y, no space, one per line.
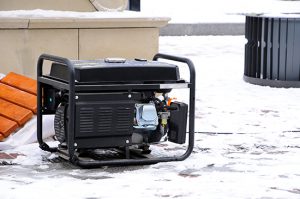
256,156
203,11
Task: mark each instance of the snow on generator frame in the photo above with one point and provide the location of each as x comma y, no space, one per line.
110,112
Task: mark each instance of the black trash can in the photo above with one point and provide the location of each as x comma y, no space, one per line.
135,5
272,53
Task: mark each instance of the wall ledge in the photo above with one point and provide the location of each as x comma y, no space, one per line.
33,20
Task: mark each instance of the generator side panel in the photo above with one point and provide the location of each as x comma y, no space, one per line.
101,122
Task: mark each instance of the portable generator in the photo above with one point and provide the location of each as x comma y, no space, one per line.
111,111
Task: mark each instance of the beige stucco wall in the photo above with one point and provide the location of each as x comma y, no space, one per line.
126,42
20,49
109,5
71,5
24,40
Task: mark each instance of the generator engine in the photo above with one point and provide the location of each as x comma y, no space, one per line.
141,120
111,103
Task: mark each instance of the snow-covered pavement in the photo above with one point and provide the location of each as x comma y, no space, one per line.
216,11
249,146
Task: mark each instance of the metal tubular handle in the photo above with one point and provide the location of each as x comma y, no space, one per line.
192,97
71,70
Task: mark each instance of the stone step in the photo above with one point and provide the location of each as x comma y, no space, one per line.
14,112
6,127
21,82
18,97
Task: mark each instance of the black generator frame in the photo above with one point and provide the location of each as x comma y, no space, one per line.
72,88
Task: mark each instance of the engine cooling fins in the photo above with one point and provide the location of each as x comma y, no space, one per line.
60,123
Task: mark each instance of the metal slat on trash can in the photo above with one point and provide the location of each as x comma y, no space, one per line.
272,53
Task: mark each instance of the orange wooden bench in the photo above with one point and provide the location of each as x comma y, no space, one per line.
21,82
7,127
18,97
17,102
14,112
